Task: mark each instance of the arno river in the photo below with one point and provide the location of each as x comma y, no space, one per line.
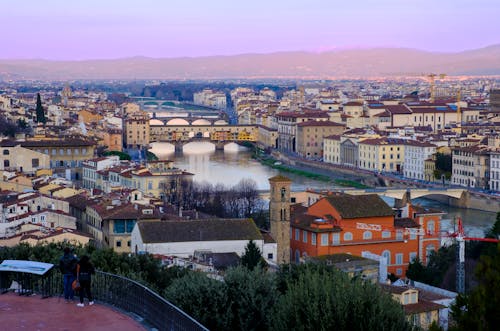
235,163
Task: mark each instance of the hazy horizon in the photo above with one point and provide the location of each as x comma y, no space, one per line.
59,30
248,53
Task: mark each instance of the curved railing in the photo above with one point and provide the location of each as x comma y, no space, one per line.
120,292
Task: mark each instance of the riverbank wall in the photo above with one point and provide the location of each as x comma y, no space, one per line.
469,200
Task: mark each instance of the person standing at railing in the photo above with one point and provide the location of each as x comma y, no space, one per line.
67,266
84,271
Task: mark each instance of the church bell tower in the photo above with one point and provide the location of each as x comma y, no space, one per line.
279,216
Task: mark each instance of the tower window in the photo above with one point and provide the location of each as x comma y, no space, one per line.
283,194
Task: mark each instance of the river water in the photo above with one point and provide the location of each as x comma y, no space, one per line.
235,163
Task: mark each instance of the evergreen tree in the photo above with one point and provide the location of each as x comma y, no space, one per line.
252,256
40,114
318,297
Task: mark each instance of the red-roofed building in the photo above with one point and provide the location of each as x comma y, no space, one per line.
341,223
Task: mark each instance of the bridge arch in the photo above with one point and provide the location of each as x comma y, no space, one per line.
155,121
201,121
177,121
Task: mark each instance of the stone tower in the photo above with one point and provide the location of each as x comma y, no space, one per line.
279,216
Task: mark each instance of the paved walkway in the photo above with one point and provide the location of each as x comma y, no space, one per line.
34,313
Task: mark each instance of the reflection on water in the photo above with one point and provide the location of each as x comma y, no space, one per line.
227,167
235,163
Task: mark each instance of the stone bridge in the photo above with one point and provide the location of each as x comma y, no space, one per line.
217,134
153,105
401,195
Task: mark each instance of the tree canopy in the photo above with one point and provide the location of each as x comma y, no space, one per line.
480,308
40,113
298,297
252,256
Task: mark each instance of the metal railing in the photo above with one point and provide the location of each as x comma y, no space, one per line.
120,292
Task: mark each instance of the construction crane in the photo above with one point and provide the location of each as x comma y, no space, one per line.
459,235
459,111
432,80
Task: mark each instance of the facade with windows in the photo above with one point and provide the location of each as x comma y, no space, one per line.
365,223
287,126
382,154
24,160
17,209
471,166
495,170
110,223
64,153
136,129
418,307
415,154
310,136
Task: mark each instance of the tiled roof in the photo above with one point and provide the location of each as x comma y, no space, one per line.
398,109
319,123
356,206
279,178
421,307
69,142
383,141
308,114
198,230
405,223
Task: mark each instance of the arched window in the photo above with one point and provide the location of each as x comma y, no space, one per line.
428,251
283,194
6,152
367,235
387,255
430,227
347,236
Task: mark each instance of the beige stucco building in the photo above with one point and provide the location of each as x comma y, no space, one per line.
136,129
22,159
310,136
381,154
470,166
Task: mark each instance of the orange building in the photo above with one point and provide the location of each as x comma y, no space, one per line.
112,138
355,224
89,116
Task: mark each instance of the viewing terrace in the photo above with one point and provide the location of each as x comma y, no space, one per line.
32,299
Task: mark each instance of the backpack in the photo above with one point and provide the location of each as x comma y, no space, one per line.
68,264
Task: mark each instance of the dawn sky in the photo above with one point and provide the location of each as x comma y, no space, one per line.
90,29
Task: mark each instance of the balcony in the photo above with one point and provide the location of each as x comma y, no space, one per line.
121,304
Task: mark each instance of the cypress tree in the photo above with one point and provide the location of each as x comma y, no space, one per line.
40,114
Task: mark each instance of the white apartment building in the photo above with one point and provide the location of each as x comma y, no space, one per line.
415,154
92,166
495,170
210,98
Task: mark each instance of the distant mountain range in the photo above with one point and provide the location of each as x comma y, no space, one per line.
355,63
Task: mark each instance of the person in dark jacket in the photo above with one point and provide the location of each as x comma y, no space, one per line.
67,266
84,271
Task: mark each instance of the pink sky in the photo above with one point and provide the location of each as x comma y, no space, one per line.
90,29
